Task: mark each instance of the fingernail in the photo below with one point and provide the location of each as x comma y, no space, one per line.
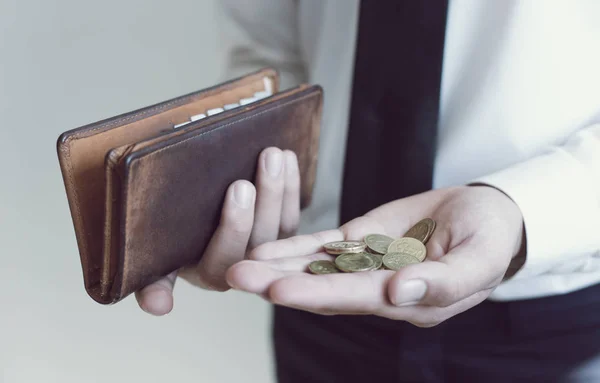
291,165
273,162
410,292
243,194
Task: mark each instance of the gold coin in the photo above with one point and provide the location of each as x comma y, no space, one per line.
395,261
353,262
378,243
341,247
422,230
376,260
409,246
322,267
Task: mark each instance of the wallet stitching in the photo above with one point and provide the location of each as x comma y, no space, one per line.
202,133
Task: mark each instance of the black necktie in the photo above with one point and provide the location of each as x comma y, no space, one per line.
395,100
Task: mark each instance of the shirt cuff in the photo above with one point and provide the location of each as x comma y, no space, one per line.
555,194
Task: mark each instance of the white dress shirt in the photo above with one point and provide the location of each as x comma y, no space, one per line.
520,110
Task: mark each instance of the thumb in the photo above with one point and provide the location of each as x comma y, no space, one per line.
157,298
467,269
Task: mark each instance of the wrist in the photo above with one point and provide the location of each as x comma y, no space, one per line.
519,255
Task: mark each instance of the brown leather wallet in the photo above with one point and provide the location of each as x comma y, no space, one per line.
145,188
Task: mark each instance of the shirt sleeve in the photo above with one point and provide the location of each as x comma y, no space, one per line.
262,33
558,193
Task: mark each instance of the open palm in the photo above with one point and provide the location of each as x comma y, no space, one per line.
479,230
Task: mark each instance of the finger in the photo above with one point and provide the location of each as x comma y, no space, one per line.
290,210
229,242
256,276
471,267
352,293
308,244
296,246
269,192
157,298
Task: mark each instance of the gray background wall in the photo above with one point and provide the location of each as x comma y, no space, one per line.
65,63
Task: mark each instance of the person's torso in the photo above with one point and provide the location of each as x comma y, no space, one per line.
518,76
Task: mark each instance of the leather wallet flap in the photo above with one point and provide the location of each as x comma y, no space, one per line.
167,194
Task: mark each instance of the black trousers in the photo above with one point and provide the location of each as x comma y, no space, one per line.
553,339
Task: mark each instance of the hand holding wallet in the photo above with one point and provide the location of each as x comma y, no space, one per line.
145,189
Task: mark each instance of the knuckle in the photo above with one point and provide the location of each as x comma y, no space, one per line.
239,229
270,188
236,224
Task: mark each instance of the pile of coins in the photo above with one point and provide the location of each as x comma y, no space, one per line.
377,251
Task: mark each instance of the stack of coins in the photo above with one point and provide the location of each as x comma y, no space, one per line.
377,251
